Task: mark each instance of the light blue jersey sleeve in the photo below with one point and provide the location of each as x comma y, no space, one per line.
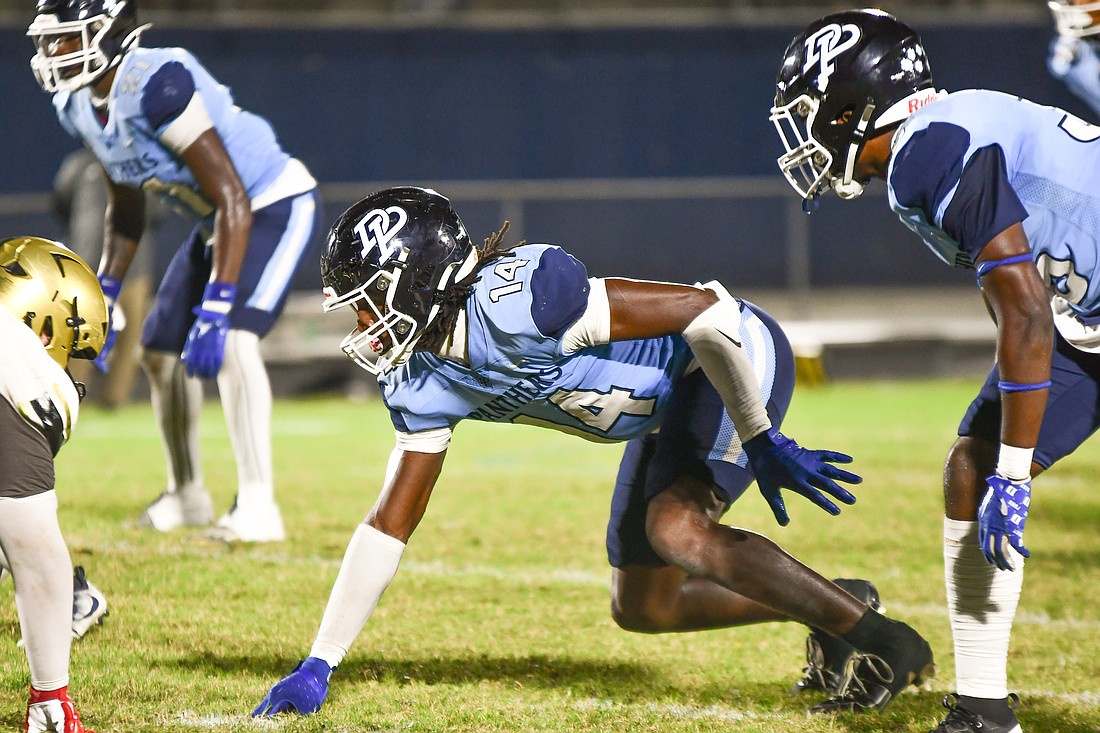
152,87
515,371
523,304
970,165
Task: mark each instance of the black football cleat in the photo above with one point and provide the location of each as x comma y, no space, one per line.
961,720
828,655
872,678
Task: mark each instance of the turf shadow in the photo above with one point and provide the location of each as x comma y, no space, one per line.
587,675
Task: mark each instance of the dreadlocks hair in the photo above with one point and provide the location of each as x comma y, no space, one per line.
454,297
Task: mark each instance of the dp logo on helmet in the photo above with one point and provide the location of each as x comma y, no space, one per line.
377,229
825,45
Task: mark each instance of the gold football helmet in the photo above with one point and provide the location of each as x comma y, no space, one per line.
48,287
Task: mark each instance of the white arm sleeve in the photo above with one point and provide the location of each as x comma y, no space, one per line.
715,339
594,326
185,129
369,565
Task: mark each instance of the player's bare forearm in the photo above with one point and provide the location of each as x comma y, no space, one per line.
232,227
220,183
1024,344
1019,304
646,309
404,499
124,221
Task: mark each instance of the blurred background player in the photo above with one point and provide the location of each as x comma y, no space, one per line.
1072,57
522,335
80,202
1007,187
51,310
156,119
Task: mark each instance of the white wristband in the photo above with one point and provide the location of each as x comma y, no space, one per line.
1014,463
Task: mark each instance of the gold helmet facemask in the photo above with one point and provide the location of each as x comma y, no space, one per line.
48,287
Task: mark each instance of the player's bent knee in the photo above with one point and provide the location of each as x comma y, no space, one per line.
641,618
679,537
968,450
155,362
969,461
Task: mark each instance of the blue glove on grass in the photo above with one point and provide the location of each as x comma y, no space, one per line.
1001,519
204,351
778,462
302,691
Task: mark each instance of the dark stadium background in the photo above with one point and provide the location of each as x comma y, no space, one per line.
546,104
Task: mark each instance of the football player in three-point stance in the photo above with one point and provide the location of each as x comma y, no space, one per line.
1073,55
51,310
157,120
522,335
1011,189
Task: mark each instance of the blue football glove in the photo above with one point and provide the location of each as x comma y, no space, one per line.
204,351
111,288
778,462
1001,519
302,691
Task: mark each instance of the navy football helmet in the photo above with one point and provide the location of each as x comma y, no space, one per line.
107,29
396,253
844,79
1075,19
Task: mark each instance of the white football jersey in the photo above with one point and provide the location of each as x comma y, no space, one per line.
36,385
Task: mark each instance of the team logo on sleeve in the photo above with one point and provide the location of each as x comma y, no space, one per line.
825,45
377,229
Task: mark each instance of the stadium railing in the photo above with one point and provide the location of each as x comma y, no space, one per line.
847,332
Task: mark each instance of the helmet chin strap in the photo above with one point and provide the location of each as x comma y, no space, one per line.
847,188
468,266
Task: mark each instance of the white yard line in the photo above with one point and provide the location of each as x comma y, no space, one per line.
681,711
537,576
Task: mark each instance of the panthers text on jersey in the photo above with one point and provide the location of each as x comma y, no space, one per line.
514,369
973,163
152,89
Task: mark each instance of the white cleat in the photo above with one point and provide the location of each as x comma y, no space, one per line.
256,523
89,604
173,510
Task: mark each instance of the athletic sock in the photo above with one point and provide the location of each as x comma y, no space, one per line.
177,400
43,574
869,628
995,711
245,393
981,604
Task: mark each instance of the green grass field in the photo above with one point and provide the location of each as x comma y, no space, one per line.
498,619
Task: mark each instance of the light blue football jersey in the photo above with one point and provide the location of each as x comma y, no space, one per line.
515,370
152,86
971,164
